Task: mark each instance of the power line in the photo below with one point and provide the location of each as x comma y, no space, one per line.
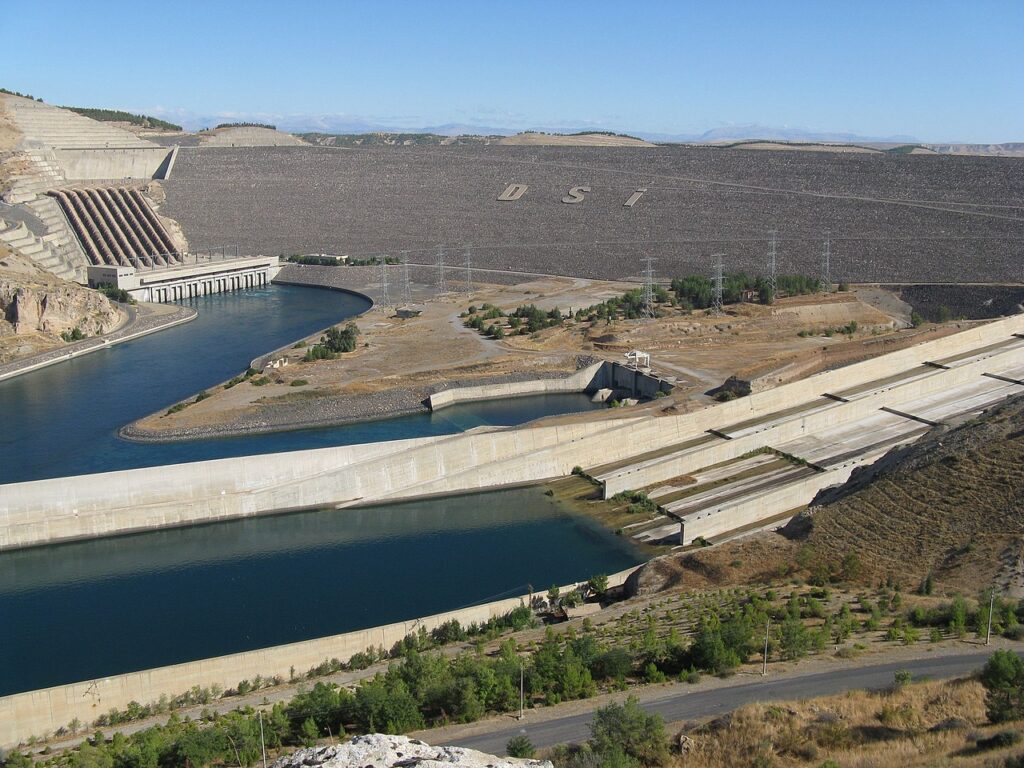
826,267
385,300
406,286
439,262
754,239
718,282
648,311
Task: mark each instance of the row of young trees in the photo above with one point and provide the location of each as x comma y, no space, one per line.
697,292
693,292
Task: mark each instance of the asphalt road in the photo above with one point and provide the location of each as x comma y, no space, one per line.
682,705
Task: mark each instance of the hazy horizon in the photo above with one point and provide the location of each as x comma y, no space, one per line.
936,72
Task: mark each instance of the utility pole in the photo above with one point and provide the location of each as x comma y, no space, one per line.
441,287
773,284
764,665
717,282
991,605
385,300
263,744
648,310
826,267
522,698
406,287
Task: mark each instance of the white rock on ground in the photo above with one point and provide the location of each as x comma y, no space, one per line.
384,751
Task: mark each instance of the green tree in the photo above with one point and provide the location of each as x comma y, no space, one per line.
958,616
520,746
386,706
851,568
308,732
794,640
1003,678
627,728
598,584
709,650
613,664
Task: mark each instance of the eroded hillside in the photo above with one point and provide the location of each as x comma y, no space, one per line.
36,308
951,505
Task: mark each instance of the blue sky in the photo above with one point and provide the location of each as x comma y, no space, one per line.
935,70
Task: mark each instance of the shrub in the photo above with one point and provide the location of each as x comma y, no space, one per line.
298,383
598,584
520,746
120,295
1000,740
691,676
1003,678
628,729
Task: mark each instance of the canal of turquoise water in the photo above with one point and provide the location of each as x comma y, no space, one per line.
89,609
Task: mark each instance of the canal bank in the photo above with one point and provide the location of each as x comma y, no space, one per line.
43,712
143,320
230,589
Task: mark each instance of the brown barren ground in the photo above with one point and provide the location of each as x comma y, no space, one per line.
696,349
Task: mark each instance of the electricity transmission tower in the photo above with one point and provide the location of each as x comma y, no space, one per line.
439,261
648,311
717,283
406,286
385,300
773,284
469,271
826,258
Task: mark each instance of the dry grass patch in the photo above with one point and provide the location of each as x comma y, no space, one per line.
926,724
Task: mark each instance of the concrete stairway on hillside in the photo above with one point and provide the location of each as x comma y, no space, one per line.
35,172
42,125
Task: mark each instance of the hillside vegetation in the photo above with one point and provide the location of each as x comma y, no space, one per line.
119,116
950,506
934,723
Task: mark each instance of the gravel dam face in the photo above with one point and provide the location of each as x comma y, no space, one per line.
892,217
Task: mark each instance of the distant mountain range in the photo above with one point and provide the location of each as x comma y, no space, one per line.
348,124
724,133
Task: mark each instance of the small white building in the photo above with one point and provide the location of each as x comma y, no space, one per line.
111,274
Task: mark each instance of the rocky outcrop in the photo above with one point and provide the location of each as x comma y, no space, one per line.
36,308
384,751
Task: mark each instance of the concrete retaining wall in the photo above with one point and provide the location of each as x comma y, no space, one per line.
110,164
44,711
674,465
117,502
715,521
640,384
577,382
597,376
